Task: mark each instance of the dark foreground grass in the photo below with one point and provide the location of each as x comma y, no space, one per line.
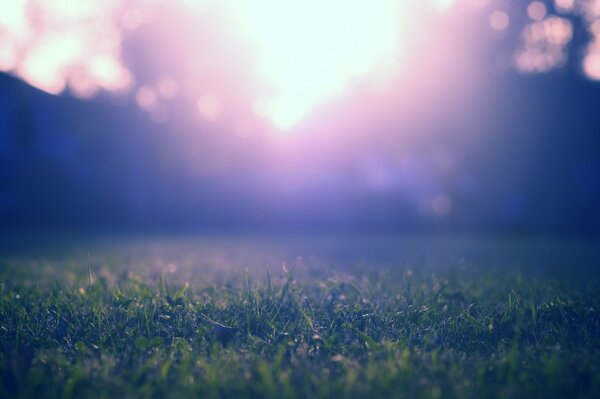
400,333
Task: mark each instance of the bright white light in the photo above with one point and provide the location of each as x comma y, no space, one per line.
309,50
60,43
443,4
45,62
13,18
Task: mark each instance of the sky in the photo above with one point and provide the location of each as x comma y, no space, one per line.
462,115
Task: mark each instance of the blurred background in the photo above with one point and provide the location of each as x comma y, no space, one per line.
443,116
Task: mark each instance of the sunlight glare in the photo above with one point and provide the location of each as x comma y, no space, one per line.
443,4
309,51
60,43
279,60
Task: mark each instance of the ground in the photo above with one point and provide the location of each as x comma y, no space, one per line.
420,317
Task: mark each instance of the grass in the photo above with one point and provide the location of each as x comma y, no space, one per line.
122,328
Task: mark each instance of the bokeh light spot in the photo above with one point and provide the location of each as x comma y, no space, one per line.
544,45
209,107
442,204
564,5
591,66
499,20
167,87
146,98
536,10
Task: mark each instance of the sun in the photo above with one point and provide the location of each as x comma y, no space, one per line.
308,51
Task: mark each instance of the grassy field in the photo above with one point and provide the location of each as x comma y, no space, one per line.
208,319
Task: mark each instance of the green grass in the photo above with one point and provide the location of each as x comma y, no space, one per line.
132,327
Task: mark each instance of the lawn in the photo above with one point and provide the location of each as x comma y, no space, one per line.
277,319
